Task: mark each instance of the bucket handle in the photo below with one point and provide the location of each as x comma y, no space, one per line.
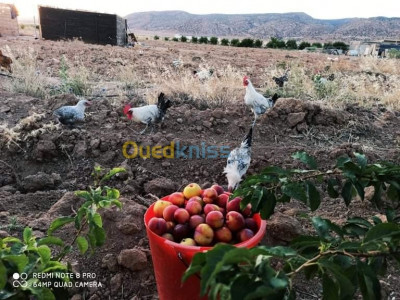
180,257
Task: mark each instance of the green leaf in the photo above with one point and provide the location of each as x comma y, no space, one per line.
346,288
3,276
100,236
59,222
393,193
50,240
330,290
377,197
112,194
324,226
331,188
96,219
347,192
112,173
83,244
196,265
305,158
117,203
27,234
382,230
314,198
295,190
361,159
84,194
360,189
268,205
368,282
19,260
45,254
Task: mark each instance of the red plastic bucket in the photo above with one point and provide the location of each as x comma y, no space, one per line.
170,261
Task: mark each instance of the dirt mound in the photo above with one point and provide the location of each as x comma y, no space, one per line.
52,162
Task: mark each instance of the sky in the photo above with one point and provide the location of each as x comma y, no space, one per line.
320,9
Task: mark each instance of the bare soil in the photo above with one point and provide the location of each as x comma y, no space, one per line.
36,174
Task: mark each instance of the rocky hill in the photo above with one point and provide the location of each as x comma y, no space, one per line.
286,25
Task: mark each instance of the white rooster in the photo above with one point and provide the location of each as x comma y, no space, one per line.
238,162
69,115
257,102
148,114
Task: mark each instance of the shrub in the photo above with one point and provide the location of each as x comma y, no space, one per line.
304,45
214,40
175,39
394,53
347,258
340,45
291,44
225,42
156,37
249,43
258,43
203,40
166,38
183,39
275,43
317,45
195,39
235,42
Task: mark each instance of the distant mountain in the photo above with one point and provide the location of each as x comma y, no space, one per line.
286,25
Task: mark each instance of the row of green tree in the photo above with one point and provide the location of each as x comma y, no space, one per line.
274,43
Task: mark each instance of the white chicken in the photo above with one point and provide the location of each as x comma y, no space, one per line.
257,102
148,114
69,115
238,162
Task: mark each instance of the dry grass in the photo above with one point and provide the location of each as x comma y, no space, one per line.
26,128
179,83
28,78
139,74
9,136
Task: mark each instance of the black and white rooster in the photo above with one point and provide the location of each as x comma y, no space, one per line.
238,162
148,114
257,102
72,114
280,81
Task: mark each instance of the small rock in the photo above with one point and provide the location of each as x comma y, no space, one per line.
295,118
179,120
128,226
282,229
94,297
40,181
45,149
110,262
63,206
94,144
116,283
165,164
133,259
80,149
5,109
3,234
207,124
160,187
76,297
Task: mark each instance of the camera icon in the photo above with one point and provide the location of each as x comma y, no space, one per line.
20,280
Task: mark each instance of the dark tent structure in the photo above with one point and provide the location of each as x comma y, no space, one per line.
90,27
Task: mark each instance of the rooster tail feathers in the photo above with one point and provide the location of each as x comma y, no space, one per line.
274,98
248,138
163,104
